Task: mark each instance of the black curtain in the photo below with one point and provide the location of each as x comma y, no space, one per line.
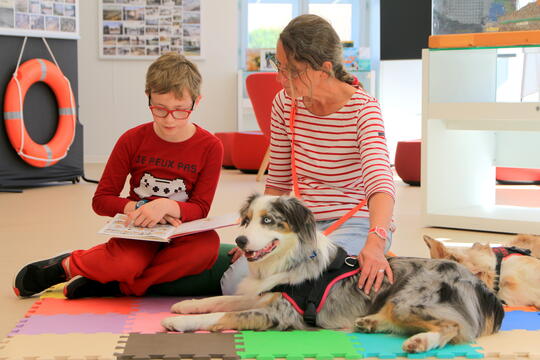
40,114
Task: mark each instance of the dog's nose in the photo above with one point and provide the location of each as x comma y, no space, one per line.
241,241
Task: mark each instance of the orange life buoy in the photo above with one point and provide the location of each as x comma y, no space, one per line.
39,155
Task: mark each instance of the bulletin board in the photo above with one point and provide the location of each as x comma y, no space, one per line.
146,29
40,18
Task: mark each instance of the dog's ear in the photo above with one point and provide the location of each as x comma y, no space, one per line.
436,248
481,247
247,204
299,217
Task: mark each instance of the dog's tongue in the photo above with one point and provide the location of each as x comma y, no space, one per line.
255,255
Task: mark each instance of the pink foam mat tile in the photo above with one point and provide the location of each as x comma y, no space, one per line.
514,344
152,305
66,324
146,323
54,306
60,347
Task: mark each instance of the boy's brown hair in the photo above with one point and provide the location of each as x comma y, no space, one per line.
173,72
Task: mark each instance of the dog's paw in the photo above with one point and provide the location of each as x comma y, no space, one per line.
421,342
188,307
366,324
174,323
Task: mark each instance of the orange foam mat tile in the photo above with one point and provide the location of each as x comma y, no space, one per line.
99,346
514,344
520,308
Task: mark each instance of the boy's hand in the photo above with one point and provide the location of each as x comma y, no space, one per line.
168,219
152,212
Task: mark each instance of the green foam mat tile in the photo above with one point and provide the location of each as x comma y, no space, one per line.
295,345
385,346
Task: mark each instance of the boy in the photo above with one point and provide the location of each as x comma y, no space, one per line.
174,167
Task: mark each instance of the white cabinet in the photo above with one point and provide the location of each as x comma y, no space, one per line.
478,114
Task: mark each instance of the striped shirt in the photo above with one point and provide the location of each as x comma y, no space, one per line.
340,159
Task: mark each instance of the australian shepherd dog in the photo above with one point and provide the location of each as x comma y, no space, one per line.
432,301
512,271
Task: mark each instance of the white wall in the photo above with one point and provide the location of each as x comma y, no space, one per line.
111,92
401,101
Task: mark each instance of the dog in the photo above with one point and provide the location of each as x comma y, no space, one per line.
517,283
434,301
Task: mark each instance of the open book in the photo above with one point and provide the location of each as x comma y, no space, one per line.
115,227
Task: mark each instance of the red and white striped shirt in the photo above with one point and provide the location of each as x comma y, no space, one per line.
341,158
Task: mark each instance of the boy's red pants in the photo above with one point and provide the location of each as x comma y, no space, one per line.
139,264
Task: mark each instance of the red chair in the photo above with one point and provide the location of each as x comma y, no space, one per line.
407,161
261,88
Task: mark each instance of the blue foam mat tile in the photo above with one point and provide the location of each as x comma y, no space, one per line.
521,320
385,346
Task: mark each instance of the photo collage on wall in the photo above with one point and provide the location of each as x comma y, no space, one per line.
56,18
149,28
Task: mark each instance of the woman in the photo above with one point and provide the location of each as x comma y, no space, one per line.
340,156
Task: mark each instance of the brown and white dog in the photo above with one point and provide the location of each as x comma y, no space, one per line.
518,281
433,301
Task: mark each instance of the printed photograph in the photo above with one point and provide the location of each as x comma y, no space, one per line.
167,2
177,30
108,1
192,5
137,40
177,2
153,2
152,11
123,40
176,41
138,51
167,20
176,49
37,22
192,17
21,6
109,40
152,51
152,21
7,17
133,13
165,11
68,25
46,9
137,2
112,13
192,30
164,39
70,1
165,30
112,28
22,21
133,30
58,9
192,45
35,7
69,10
124,51
152,41
109,50
164,49
151,30
265,59
177,19
52,23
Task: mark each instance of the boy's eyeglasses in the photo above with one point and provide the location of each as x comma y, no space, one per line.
178,114
289,74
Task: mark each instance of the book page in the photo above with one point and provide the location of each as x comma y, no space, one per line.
116,227
209,223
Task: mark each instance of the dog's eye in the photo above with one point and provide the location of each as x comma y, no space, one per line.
245,221
266,220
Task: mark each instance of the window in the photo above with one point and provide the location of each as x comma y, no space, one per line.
263,20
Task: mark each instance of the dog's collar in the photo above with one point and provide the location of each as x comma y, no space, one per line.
500,254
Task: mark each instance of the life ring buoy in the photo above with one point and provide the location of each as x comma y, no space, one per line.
30,72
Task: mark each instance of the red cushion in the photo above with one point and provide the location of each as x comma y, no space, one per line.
262,88
227,140
517,174
407,162
248,150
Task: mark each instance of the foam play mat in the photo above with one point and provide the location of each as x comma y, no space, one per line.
129,329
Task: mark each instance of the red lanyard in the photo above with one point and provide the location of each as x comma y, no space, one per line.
294,176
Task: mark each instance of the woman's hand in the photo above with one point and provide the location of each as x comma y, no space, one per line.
373,264
149,214
236,253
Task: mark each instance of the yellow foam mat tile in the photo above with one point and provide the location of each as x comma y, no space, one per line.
515,344
56,291
100,346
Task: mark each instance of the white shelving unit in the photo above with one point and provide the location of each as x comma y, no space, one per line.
468,128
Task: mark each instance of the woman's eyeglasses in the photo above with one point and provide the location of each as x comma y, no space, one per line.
178,114
288,73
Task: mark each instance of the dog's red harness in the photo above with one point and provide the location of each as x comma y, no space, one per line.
309,297
502,253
